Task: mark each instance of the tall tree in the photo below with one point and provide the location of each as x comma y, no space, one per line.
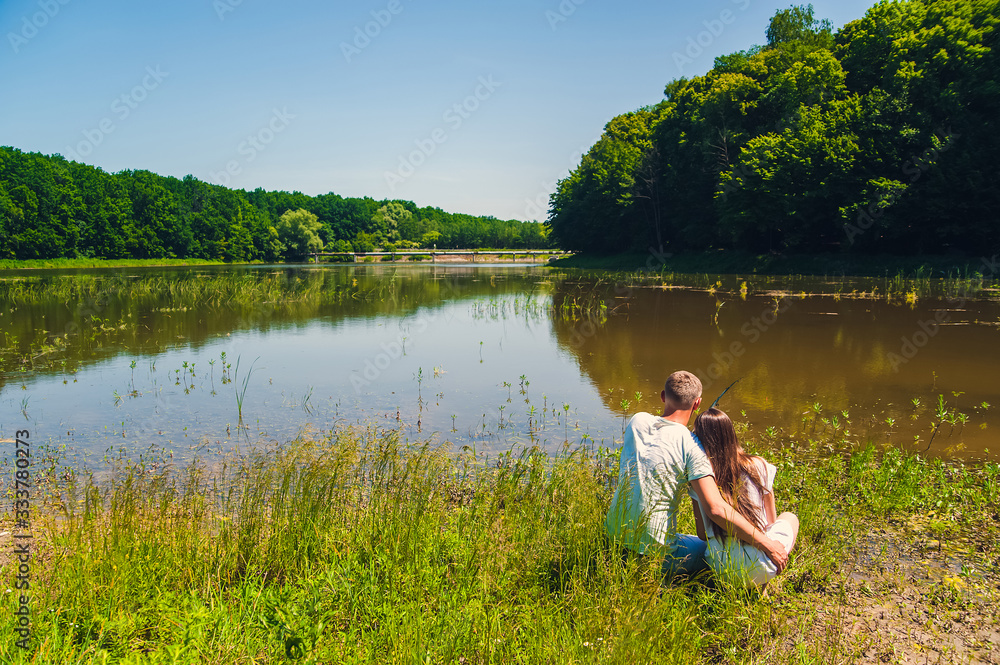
297,230
388,219
797,23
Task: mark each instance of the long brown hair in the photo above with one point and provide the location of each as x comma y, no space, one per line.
733,468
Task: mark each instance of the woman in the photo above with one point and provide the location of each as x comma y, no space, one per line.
745,481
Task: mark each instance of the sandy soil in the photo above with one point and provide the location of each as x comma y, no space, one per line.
904,598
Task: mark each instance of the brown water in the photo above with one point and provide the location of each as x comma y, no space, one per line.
204,359
817,365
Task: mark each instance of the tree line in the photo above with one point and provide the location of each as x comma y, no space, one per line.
877,138
51,207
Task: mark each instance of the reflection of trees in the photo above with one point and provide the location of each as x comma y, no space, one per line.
667,330
815,349
647,334
55,323
789,354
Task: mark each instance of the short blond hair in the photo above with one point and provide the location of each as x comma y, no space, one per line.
682,389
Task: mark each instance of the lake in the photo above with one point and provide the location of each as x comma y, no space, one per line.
202,360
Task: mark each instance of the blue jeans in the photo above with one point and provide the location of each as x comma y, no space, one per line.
687,556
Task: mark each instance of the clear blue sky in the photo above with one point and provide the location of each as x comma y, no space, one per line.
290,96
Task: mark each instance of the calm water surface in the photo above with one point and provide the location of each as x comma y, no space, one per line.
118,361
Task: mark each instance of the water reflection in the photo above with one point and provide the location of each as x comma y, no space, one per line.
484,356
792,352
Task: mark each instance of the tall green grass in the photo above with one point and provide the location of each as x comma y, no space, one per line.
356,547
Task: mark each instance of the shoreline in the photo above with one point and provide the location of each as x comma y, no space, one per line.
717,262
829,265
63,263
482,258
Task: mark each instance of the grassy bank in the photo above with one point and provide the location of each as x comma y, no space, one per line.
355,548
484,255
728,262
736,262
35,264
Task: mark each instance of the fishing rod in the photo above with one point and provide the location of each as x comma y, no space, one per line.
724,392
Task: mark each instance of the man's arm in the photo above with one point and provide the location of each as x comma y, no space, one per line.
723,514
698,524
766,470
769,508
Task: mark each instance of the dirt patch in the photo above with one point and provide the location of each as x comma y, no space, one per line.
902,598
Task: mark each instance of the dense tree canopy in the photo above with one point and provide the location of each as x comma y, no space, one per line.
51,208
879,138
797,24
297,231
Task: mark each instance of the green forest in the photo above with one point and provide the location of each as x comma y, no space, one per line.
54,208
878,138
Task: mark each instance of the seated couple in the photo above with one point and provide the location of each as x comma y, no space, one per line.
730,492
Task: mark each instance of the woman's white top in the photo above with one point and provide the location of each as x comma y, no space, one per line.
734,559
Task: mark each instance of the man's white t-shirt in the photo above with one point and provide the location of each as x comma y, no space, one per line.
658,456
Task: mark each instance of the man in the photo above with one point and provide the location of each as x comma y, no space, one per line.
658,457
